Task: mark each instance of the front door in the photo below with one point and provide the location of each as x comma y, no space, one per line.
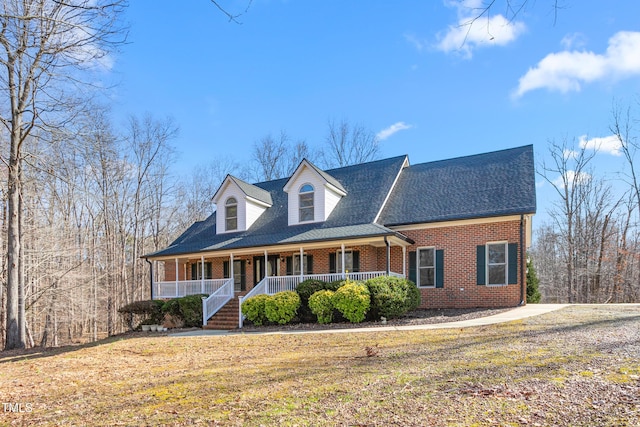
259,270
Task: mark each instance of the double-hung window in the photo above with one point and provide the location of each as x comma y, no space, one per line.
306,261
196,271
305,199
231,214
427,267
497,261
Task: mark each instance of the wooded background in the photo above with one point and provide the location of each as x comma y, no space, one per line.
83,198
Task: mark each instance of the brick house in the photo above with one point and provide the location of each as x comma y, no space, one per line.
458,228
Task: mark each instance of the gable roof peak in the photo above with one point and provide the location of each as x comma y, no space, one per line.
324,175
249,190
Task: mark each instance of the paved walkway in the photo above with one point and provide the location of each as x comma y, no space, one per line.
506,316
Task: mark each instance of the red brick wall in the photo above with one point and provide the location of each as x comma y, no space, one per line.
459,244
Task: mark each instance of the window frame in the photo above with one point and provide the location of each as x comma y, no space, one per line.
230,203
489,264
339,261
304,192
295,257
208,270
433,266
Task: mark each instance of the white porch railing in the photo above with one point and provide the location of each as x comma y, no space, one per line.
274,284
217,300
173,289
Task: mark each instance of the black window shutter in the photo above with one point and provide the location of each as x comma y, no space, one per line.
412,266
481,265
309,265
208,270
513,263
440,268
194,271
289,266
356,261
332,262
225,269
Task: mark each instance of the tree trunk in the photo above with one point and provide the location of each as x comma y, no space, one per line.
15,334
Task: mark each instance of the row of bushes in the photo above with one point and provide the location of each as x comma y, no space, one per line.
186,311
350,300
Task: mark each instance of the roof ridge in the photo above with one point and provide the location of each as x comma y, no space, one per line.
475,155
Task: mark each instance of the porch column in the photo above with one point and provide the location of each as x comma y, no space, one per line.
342,256
231,266
202,274
266,265
301,264
177,275
404,261
388,245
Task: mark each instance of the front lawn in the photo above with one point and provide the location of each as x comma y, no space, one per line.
577,366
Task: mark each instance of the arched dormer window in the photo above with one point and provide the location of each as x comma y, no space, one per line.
231,214
305,205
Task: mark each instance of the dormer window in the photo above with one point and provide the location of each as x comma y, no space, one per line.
306,203
231,214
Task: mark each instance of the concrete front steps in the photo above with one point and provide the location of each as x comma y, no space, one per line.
226,318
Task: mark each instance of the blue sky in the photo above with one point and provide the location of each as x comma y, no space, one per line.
400,68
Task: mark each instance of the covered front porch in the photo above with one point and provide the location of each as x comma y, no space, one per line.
243,273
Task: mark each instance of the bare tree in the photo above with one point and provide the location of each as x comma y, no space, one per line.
274,158
566,174
623,129
45,45
347,144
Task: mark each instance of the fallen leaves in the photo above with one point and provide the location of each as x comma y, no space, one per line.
577,367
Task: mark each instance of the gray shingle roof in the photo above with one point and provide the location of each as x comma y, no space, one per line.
352,217
331,180
252,190
484,185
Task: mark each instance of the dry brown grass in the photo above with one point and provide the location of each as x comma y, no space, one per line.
577,366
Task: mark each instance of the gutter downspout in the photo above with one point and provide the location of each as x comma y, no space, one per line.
386,242
522,260
150,277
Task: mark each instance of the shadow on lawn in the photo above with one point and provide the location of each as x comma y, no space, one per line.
10,356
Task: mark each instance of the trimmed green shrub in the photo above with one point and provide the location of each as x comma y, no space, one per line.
321,304
148,311
254,309
172,307
191,310
282,307
352,300
309,287
392,296
414,296
335,285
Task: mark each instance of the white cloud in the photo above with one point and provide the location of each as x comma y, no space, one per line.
609,144
571,178
565,71
471,33
572,41
396,127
